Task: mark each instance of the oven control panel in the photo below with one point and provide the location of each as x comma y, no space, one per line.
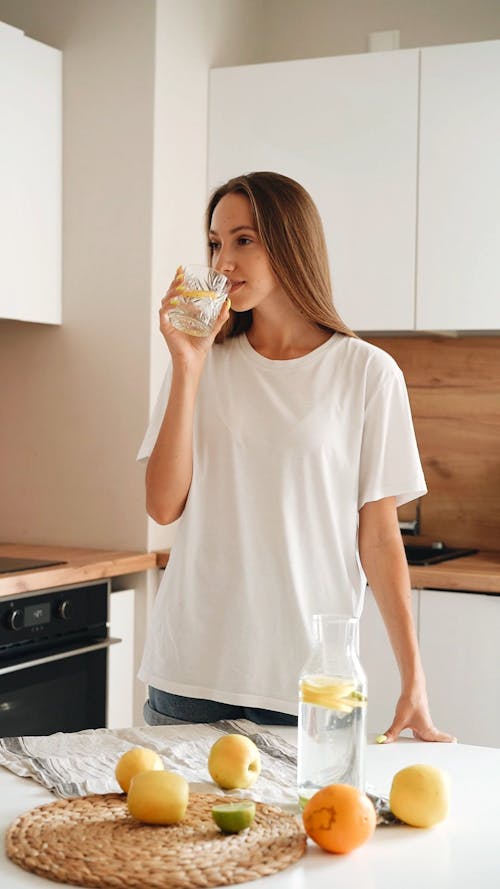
53,614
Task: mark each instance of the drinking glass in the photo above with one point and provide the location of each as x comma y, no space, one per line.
201,292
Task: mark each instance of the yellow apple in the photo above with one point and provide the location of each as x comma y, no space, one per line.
138,759
234,761
420,795
158,797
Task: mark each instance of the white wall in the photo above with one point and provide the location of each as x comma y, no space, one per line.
75,398
312,28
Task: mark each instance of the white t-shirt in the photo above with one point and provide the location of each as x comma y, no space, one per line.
285,455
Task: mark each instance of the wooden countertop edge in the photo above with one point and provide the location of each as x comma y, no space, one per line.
82,565
477,573
464,581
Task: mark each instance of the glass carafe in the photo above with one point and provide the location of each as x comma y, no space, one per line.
332,709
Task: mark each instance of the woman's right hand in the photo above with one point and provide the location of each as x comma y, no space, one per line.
184,348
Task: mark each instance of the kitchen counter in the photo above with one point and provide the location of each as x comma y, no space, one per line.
457,854
82,565
476,573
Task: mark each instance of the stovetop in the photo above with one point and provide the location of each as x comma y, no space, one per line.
10,564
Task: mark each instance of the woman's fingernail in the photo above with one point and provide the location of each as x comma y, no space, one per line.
174,301
228,303
380,739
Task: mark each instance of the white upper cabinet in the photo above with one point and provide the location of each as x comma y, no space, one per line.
359,132
30,178
345,128
459,188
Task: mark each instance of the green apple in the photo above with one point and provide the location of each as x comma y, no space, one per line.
234,761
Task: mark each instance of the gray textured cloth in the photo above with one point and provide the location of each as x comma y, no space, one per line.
83,762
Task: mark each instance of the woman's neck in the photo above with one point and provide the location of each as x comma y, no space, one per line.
291,338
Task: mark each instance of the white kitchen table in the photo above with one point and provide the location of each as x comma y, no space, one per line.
459,853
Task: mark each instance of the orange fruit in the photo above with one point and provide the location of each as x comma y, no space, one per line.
339,818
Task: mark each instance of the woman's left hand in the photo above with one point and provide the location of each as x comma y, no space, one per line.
412,712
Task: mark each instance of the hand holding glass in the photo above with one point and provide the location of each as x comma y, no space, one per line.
200,295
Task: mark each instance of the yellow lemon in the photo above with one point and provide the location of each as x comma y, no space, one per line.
234,817
420,795
138,759
158,797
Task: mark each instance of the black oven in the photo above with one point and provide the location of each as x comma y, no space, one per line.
53,660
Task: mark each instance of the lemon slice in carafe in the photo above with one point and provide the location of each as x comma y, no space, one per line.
331,692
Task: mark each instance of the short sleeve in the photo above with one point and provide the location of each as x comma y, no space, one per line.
390,462
155,422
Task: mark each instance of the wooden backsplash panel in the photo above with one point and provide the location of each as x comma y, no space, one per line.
454,389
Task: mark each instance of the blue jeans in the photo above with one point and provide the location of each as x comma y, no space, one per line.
163,708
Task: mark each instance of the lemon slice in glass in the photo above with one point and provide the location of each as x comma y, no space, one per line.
234,817
197,294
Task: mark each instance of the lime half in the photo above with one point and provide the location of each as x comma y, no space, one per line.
233,817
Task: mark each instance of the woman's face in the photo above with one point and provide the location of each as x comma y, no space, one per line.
238,253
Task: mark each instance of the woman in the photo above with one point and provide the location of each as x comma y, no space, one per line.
284,444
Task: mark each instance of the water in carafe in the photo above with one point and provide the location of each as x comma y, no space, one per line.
332,709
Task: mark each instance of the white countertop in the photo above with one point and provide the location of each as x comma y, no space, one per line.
460,853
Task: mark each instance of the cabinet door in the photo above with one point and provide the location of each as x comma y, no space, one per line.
459,188
121,668
459,642
380,665
345,128
30,178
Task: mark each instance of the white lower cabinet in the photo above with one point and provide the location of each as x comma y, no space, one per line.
460,645
121,669
380,665
459,638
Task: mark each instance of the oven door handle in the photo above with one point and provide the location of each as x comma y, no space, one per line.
59,656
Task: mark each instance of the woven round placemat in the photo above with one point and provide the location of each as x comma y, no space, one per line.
93,841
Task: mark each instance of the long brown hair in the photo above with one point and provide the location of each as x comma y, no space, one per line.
290,228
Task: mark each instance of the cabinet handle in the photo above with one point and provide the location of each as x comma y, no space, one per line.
59,656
